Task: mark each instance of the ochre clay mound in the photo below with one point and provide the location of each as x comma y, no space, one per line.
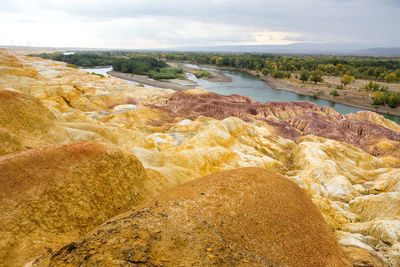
246,216
52,195
27,120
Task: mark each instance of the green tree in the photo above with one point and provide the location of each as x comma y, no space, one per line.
393,100
316,76
278,74
334,93
304,75
379,98
347,79
390,77
265,71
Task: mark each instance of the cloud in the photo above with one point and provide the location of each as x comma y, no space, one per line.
178,23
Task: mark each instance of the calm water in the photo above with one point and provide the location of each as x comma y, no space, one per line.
249,85
252,86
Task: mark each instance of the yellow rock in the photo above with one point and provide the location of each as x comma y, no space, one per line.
52,195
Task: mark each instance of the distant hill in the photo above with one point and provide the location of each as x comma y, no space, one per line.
298,48
301,48
380,51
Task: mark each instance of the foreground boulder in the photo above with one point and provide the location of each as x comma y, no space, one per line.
246,216
52,195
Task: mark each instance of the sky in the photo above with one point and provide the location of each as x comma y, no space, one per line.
152,24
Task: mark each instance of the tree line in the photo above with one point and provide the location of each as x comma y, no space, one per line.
307,67
134,63
279,66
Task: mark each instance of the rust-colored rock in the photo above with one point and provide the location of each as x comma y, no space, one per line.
187,105
246,216
360,133
291,120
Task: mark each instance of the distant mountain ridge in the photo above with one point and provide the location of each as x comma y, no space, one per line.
381,51
297,48
301,48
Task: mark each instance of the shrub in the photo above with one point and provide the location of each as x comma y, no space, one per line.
164,73
334,93
69,65
265,71
316,76
393,100
379,98
304,75
287,74
372,86
98,74
278,74
390,77
202,74
317,94
347,79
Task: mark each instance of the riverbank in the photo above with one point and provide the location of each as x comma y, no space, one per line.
352,97
145,80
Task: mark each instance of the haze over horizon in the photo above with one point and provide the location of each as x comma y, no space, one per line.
170,24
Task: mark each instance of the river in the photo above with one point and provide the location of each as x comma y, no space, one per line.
246,84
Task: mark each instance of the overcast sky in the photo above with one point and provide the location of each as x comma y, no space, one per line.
183,23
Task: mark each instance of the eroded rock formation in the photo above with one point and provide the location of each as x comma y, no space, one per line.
348,165
237,217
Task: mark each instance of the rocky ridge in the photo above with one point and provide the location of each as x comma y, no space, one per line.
346,164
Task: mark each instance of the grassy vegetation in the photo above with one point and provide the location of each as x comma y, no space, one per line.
72,66
164,73
202,74
98,74
392,99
